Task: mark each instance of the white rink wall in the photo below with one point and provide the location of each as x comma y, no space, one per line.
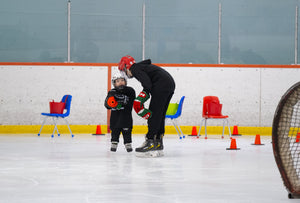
249,94
27,90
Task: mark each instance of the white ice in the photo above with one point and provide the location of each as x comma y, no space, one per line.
82,169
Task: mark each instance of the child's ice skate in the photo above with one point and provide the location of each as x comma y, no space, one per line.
114,146
128,147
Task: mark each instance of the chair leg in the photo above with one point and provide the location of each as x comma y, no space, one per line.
58,134
183,136
176,129
205,122
223,128
55,128
200,128
228,128
69,127
44,121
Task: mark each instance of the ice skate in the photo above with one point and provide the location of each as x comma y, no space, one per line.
158,146
146,150
114,146
128,147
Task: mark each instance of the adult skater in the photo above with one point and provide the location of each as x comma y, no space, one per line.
158,84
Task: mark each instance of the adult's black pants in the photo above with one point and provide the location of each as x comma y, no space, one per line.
158,105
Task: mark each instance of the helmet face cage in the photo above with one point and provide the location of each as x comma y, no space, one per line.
116,77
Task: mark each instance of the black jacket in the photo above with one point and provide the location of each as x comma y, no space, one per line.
121,118
153,78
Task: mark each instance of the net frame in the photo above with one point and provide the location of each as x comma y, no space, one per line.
286,126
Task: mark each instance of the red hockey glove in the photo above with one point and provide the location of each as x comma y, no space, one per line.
143,97
145,113
138,105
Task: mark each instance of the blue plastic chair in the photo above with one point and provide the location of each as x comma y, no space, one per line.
175,116
55,116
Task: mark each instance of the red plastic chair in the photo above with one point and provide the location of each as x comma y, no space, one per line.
212,109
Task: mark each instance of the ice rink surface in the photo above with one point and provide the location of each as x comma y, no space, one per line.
82,169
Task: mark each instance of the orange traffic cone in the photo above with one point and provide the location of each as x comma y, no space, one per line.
298,138
257,140
235,131
98,130
233,145
194,131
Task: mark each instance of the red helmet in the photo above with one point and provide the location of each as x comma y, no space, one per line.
126,62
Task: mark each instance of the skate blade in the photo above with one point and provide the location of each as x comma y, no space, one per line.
150,154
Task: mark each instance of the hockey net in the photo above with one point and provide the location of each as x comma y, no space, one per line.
286,139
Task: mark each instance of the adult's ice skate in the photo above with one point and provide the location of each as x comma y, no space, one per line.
149,148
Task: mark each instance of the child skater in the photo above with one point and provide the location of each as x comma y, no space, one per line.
158,84
120,100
